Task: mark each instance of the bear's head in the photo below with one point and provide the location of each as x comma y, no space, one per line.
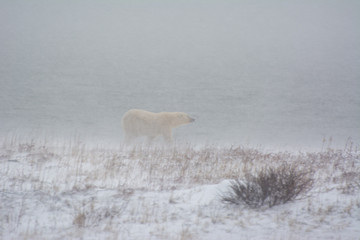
181,118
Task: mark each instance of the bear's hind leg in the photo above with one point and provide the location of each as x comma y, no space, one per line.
128,139
150,139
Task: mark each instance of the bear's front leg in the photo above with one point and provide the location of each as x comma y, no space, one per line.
150,139
168,135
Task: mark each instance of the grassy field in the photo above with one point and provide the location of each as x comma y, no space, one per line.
72,190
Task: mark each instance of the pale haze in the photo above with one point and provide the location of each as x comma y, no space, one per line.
269,73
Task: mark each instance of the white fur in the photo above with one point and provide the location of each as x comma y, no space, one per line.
138,123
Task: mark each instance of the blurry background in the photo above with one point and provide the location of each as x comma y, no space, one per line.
271,73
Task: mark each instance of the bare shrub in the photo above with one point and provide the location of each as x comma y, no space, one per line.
271,186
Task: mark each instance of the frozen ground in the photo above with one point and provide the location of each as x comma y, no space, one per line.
57,190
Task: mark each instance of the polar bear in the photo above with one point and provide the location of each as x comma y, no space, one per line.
138,123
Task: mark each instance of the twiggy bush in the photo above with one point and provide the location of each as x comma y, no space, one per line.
271,186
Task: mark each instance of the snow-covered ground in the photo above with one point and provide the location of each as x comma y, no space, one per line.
57,190
278,74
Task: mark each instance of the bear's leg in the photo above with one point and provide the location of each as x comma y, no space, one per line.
128,139
168,135
151,139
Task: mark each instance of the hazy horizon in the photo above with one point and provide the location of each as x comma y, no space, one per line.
264,72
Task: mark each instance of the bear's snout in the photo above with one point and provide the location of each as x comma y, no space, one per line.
191,119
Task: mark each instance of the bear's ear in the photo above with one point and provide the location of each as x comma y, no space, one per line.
180,116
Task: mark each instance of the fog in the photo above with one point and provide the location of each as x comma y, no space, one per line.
280,73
